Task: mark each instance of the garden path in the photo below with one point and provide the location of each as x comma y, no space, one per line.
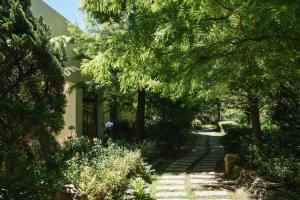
194,176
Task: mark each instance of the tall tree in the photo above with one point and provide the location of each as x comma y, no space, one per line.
235,43
211,43
122,38
31,94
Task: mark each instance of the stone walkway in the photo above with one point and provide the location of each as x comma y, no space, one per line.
194,176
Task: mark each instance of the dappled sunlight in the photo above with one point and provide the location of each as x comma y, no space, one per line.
194,175
192,92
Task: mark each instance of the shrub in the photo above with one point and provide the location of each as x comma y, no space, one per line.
122,130
103,171
31,103
147,148
196,124
167,132
234,135
139,189
275,157
34,178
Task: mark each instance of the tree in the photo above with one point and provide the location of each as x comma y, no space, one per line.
31,95
214,44
122,37
234,43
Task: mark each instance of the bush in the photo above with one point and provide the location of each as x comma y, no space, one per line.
147,148
31,104
122,130
234,135
196,124
139,190
272,160
168,134
31,174
276,156
103,171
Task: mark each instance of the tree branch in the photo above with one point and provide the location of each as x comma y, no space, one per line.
223,6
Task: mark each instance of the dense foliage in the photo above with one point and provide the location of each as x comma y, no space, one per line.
103,171
276,156
169,60
234,50
31,102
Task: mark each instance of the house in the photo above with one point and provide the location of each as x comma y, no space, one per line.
84,115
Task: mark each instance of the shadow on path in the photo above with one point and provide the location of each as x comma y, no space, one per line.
196,175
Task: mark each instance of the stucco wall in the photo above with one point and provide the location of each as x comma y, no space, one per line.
73,113
58,27
57,23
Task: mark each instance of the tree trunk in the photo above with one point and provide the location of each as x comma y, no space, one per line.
114,109
219,109
247,114
255,120
140,114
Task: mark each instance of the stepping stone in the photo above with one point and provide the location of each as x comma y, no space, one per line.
187,157
168,182
172,177
206,169
171,194
176,170
186,160
203,170
215,156
170,187
214,193
204,181
180,164
197,152
205,166
175,199
218,198
199,187
214,198
206,163
190,158
204,176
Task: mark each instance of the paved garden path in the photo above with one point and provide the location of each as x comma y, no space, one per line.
194,175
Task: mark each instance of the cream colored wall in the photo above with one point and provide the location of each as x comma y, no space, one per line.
58,26
71,113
